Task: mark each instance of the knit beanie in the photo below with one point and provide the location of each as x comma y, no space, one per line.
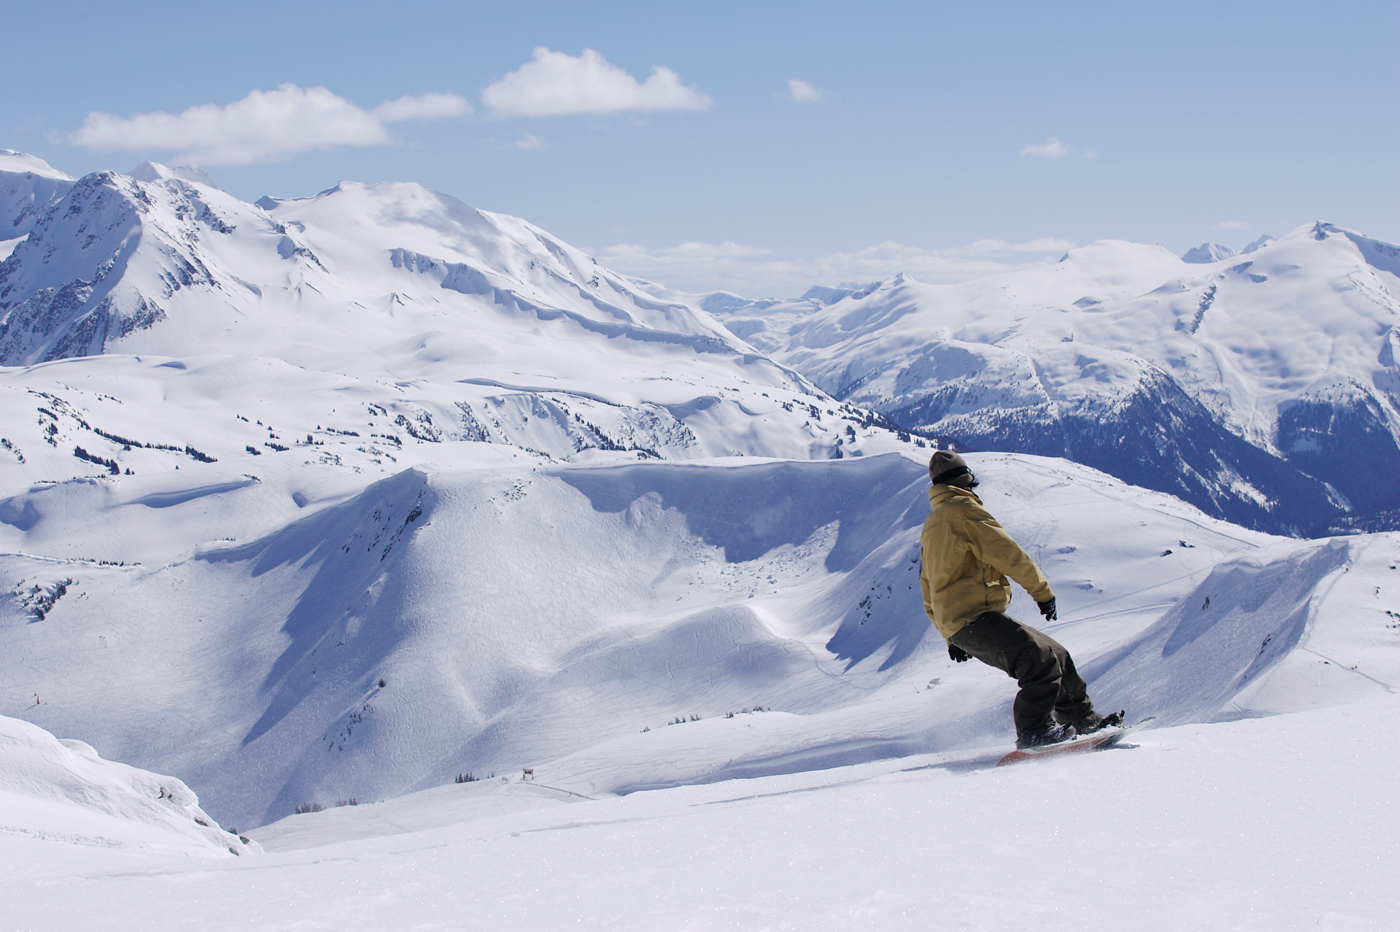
946,467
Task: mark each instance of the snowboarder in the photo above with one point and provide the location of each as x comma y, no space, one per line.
967,557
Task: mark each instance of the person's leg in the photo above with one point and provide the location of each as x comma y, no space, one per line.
1072,704
1038,663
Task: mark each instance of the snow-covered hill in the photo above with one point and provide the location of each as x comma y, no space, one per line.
1263,388
62,791
872,755
479,621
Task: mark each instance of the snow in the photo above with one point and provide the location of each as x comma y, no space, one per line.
28,187
337,655
1284,351
1248,353
154,171
1207,252
1269,824
23,162
405,287
330,502
62,792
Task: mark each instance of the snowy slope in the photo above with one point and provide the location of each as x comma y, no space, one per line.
1229,383
480,621
1207,252
28,187
1275,823
62,791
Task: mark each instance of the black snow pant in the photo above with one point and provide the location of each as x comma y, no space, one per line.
1040,665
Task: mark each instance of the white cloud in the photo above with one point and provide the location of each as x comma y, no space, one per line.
755,272
990,247
264,126
1052,148
426,107
802,92
528,141
1232,225
555,83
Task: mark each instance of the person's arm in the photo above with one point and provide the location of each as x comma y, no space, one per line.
924,585
993,546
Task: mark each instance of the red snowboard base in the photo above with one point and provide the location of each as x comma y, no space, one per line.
1096,742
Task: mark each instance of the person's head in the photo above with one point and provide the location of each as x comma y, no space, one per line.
947,468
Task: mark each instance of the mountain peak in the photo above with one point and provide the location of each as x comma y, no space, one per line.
828,295
1207,252
21,162
154,171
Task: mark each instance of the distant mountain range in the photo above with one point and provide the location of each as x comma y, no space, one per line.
1263,388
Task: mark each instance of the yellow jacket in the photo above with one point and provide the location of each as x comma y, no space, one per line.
967,557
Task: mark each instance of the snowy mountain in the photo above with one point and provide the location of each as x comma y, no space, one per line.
154,171
494,330
28,187
193,376
348,511
447,622
1207,253
1265,391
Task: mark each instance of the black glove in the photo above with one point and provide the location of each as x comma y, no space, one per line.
957,653
1047,608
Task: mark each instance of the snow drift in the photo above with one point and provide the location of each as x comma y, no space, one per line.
63,791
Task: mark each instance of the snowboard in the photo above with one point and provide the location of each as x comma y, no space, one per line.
1098,741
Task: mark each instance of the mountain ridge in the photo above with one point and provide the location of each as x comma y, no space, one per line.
1051,359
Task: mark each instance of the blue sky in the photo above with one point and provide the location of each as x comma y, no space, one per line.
943,139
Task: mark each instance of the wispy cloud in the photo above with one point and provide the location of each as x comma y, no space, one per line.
528,141
754,271
995,247
1232,225
264,126
556,83
803,93
426,107
1051,148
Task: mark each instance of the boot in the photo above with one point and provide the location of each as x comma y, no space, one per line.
1092,721
1043,734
